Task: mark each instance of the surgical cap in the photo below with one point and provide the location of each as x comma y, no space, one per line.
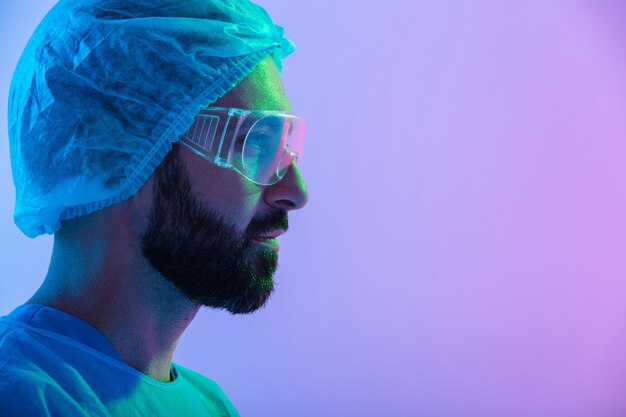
104,87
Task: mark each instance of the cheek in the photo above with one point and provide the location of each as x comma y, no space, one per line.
233,196
224,190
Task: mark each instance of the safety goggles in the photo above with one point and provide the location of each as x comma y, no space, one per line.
260,145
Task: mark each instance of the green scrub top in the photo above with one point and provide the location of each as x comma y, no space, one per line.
54,364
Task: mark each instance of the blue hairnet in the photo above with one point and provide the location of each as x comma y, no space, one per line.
104,87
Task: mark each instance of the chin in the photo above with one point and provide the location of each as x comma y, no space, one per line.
248,305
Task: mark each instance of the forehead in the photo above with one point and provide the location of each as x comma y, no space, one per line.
261,90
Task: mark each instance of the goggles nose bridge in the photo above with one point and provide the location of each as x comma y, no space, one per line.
283,166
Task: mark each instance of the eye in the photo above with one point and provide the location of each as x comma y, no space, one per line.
259,153
255,145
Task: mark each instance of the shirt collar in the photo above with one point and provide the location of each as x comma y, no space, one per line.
50,319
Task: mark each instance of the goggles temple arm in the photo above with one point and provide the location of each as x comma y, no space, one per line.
218,158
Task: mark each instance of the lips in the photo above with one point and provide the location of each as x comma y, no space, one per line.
268,241
268,235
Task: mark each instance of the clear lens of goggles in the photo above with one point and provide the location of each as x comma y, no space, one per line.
260,145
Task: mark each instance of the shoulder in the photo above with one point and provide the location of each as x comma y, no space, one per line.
26,391
32,379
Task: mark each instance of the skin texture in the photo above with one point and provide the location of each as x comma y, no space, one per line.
98,271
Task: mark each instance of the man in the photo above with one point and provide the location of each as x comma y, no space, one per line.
153,138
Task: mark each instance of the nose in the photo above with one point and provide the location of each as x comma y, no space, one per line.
289,193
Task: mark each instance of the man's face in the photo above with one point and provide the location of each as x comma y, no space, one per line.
207,225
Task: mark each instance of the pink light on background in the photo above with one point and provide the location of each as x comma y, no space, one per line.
463,250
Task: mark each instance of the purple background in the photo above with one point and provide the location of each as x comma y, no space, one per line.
463,251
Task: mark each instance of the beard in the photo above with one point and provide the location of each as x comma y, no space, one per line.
208,260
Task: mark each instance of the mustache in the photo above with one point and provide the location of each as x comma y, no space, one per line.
267,223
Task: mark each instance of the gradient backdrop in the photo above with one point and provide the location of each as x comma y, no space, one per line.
463,251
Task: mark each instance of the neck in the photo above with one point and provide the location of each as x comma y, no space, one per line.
107,283
145,340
